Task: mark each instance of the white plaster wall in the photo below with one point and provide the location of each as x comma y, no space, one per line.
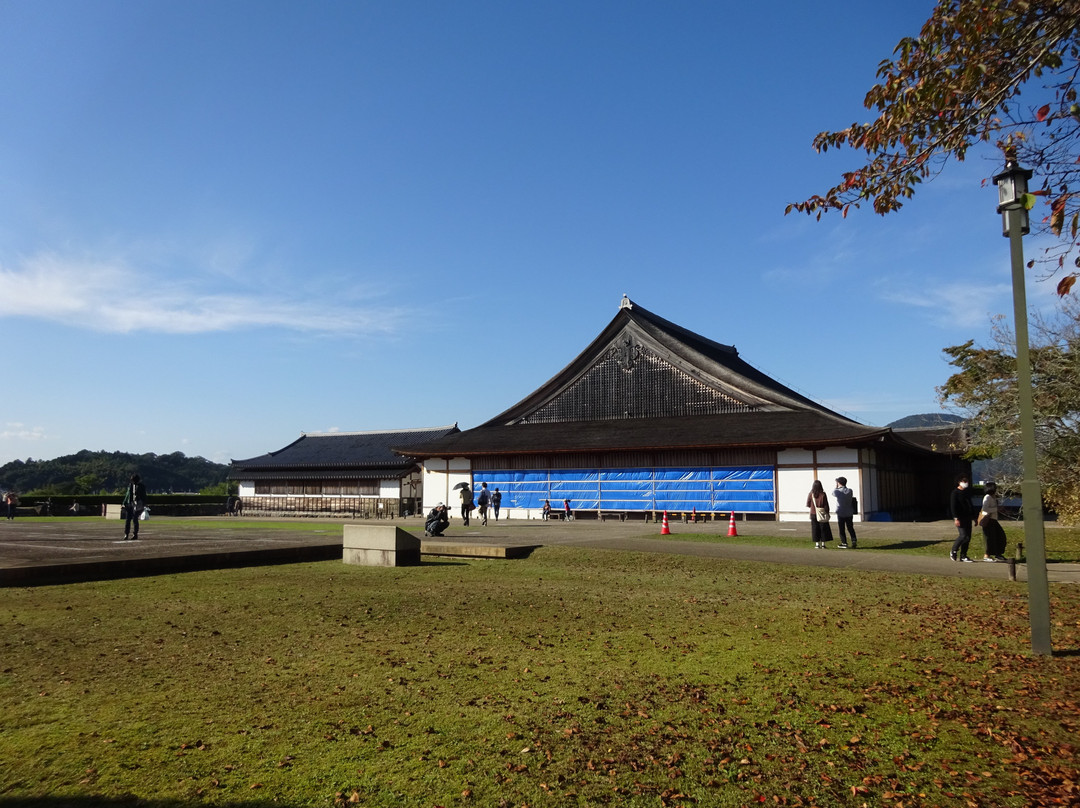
245,488
838,454
440,476
798,457
390,489
792,486
798,468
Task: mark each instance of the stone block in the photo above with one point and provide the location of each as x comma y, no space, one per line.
379,546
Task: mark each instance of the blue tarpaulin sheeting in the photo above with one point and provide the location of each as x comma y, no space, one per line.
747,489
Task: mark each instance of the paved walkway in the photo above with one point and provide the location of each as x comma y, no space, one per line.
37,551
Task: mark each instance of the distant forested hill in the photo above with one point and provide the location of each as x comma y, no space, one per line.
108,472
1006,467
924,420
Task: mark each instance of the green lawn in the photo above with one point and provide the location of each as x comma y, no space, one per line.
573,677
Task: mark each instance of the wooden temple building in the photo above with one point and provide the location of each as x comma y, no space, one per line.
653,417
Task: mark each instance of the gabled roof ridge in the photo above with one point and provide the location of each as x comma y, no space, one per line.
683,333
375,432
723,364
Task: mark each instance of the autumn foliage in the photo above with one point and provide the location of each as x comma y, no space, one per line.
980,71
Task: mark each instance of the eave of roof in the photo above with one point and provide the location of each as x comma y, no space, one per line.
286,473
740,430
339,450
946,439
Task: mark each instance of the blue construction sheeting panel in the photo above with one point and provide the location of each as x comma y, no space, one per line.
749,489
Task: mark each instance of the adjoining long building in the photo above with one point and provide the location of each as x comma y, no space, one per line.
653,417
355,474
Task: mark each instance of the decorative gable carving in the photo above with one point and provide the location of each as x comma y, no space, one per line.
632,381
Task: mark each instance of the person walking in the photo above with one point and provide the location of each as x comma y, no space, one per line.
818,503
482,502
134,502
845,513
961,511
567,513
466,504
496,502
993,532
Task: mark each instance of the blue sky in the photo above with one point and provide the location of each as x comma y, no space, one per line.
225,223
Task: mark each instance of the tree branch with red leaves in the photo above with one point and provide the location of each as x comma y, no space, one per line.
969,78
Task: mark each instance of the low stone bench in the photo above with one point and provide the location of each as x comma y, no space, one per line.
440,547
379,546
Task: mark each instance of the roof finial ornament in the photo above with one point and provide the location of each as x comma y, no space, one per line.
625,303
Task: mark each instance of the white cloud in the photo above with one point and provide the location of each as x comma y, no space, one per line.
113,297
19,431
952,305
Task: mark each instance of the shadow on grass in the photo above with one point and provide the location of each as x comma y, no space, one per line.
95,801
910,545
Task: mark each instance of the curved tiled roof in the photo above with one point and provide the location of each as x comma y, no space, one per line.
646,383
330,455
740,430
713,375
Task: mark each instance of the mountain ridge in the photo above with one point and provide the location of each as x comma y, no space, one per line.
88,472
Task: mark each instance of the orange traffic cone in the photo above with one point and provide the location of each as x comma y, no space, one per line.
664,529
731,526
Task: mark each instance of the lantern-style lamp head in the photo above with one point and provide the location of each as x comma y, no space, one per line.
1012,186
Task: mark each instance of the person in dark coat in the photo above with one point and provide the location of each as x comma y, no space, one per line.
845,513
134,502
820,531
437,521
482,502
961,511
496,503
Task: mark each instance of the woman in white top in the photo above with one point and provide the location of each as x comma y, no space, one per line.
993,533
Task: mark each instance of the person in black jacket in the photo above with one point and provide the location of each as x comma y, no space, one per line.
961,511
134,502
482,502
437,521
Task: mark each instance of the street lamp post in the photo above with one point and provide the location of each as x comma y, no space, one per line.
1012,188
